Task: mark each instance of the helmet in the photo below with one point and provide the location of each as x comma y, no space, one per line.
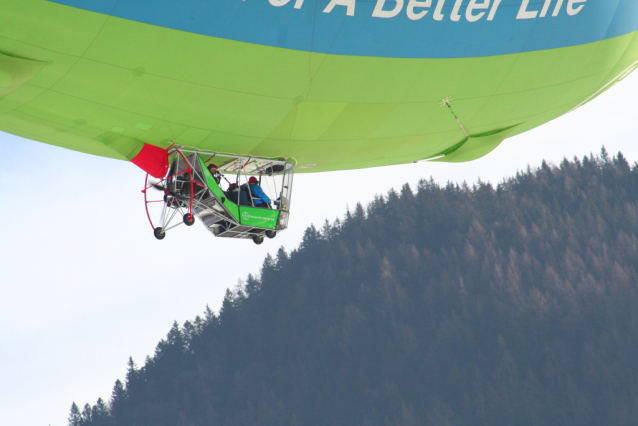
252,180
212,166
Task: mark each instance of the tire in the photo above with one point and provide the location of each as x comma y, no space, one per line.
271,234
189,219
159,233
258,239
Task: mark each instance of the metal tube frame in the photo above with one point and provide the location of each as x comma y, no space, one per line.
196,201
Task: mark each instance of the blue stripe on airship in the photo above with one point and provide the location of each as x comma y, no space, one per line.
309,29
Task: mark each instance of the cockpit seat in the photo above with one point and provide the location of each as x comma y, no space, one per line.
239,197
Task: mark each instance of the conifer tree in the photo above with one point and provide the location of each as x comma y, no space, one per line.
74,417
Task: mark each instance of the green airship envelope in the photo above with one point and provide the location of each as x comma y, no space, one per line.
332,84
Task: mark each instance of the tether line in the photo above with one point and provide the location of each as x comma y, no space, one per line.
447,101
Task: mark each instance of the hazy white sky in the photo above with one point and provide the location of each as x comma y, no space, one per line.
84,284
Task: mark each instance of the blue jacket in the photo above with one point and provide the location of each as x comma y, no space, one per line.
258,194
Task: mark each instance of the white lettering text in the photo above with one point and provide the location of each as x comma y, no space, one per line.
347,3
523,13
474,6
474,11
380,13
570,7
438,16
455,11
545,8
493,10
415,3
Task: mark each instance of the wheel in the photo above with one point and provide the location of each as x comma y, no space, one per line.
189,219
271,234
258,239
159,233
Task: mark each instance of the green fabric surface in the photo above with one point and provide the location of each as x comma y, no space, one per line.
258,217
103,85
232,208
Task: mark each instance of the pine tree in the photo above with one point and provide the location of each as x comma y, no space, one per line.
87,417
75,417
118,403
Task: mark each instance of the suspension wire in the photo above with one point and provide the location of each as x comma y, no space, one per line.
447,101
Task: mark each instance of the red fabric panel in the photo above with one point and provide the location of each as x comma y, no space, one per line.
153,160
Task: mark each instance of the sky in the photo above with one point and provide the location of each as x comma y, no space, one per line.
84,284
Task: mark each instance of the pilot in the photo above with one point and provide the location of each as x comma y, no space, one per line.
216,174
259,196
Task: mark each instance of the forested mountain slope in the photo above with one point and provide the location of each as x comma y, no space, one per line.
453,305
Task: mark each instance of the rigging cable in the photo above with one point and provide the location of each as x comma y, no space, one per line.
447,101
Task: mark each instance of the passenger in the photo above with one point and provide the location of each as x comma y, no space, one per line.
232,193
237,195
259,196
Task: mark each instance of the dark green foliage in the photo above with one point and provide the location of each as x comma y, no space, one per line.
74,417
514,305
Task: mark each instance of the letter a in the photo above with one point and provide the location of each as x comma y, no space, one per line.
347,3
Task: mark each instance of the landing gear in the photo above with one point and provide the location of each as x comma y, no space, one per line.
271,234
189,219
258,239
159,233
